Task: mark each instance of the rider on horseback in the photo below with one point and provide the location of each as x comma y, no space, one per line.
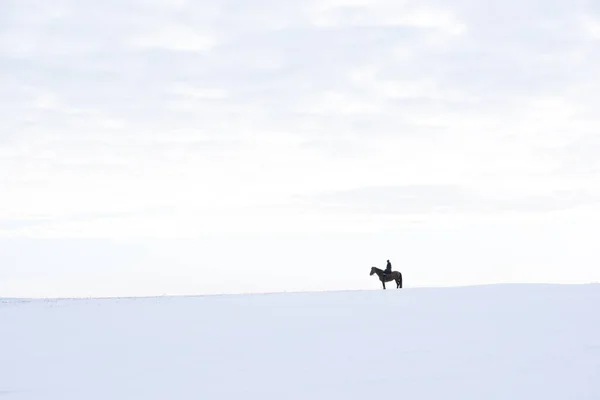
388,268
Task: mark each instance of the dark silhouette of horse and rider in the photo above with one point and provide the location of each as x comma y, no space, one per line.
388,275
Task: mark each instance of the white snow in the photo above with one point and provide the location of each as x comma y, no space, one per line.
506,342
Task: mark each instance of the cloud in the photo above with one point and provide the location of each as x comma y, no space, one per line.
431,199
393,14
8,225
174,38
591,25
185,103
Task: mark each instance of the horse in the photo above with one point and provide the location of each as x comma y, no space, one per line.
394,276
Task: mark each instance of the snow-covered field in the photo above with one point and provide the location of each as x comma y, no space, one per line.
506,342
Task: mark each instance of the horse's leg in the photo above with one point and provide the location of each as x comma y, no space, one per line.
383,283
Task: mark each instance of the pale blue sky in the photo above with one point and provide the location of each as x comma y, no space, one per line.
180,147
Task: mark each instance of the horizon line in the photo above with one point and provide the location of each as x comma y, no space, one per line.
236,294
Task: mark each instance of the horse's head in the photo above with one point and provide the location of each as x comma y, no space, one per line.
372,271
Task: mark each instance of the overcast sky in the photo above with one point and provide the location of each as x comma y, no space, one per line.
224,146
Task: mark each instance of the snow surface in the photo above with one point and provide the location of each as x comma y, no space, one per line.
486,342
